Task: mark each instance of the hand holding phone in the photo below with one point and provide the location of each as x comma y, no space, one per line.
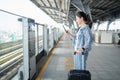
65,29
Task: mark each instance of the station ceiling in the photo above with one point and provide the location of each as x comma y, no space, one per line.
60,10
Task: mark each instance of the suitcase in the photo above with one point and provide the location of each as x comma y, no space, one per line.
79,74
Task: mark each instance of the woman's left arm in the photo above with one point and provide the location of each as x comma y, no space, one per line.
87,39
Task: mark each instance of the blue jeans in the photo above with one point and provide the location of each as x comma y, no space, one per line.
78,60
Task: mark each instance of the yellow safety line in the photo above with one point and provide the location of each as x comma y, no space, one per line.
47,62
69,63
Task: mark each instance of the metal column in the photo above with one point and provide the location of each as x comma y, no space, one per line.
28,70
45,39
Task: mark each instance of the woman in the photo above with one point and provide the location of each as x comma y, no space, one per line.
82,40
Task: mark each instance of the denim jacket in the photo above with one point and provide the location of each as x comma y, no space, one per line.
83,38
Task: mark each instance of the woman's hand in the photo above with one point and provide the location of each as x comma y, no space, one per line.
79,51
67,31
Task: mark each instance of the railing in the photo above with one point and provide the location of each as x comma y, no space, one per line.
11,44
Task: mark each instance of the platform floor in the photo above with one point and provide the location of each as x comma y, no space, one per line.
103,62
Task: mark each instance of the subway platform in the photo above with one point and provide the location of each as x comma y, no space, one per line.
103,62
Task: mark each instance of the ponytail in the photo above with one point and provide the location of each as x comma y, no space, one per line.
89,21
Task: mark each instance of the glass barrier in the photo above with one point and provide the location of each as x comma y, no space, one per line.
11,45
10,28
50,38
40,38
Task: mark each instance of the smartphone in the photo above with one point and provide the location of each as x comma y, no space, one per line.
64,29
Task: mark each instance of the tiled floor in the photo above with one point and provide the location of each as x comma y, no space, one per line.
103,62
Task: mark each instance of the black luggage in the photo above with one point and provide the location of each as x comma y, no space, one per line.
79,74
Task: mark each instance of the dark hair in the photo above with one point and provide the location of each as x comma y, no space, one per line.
82,14
86,18
89,21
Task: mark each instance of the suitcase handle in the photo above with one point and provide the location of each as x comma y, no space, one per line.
75,53
83,67
82,53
